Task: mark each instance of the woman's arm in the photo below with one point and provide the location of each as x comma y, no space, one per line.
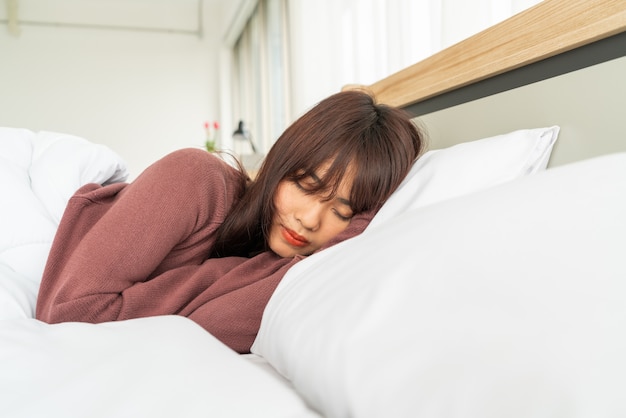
112,238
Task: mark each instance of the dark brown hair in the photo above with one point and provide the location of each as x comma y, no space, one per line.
348,129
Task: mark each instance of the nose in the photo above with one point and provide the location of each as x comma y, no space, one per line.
310,215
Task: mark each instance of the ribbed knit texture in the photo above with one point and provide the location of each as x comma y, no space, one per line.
134,250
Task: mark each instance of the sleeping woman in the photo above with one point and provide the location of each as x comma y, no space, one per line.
193,236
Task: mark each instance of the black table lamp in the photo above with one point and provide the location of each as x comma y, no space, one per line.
242,135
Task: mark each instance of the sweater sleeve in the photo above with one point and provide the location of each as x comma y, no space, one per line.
112,239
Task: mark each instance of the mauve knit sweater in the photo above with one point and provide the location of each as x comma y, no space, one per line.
133,250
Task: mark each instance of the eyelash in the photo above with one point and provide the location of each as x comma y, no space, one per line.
300,186
340,216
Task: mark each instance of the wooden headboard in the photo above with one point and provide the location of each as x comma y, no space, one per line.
561,62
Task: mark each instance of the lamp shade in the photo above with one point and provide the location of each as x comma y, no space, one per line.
241,134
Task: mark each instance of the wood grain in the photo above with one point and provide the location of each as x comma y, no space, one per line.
547,29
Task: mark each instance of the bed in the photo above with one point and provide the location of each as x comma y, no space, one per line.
491,284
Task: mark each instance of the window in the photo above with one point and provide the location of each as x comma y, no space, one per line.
261,76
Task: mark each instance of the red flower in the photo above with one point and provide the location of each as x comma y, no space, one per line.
216,125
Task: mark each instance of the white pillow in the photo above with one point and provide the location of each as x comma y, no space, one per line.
503,303
469,167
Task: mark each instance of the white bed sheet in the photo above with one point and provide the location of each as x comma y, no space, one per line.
152,367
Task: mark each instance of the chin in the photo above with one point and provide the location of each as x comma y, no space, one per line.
286,251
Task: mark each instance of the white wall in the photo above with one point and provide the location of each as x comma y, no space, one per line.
143,94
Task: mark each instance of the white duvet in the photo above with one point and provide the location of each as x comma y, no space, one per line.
154,367
38,174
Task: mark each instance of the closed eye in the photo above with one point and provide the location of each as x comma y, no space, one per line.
345,218
310,185
343,203
306,184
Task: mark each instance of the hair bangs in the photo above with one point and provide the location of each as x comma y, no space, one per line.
327,170
379,169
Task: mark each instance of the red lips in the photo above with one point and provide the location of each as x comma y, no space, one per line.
294,238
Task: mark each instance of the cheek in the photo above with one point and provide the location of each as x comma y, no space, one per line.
281,198
334,226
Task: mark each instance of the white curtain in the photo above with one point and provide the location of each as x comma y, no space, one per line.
339,42
260,94
292,53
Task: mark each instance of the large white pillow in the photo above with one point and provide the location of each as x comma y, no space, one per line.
471,166
503,303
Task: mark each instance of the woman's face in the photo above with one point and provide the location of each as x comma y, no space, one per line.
304,222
